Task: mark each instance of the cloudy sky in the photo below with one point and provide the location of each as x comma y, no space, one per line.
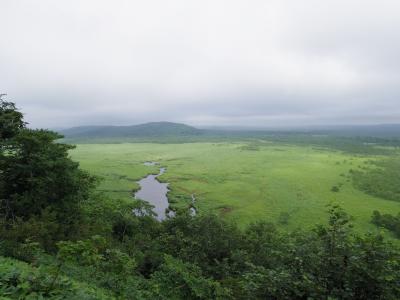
202,62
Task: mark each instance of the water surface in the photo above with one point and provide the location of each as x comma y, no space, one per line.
154,192
192,208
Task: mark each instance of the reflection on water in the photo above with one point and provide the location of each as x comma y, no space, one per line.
192,209
154,192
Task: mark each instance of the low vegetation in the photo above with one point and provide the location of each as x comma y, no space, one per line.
243,185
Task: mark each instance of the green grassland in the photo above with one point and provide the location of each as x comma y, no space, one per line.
242,182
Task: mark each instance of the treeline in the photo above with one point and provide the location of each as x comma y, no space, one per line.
363,145
382,179
205,258
346,140
388,221
61,240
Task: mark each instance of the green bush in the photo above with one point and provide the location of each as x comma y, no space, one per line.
381,180
21,281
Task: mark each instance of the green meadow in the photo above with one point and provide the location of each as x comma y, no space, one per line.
286,184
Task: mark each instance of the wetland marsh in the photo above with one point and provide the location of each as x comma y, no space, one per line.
240,183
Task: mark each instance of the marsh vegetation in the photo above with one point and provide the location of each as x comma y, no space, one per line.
245,185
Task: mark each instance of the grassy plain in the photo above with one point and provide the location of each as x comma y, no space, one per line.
241,182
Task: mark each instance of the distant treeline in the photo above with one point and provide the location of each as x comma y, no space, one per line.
381,179
164,132
387,221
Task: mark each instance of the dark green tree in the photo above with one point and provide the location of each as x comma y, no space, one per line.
11,120
178,280
37,178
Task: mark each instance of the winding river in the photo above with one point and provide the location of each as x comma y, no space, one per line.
155,192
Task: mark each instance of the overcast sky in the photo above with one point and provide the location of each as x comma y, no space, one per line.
218,62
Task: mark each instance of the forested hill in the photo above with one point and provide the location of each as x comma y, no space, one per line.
154,129
347,138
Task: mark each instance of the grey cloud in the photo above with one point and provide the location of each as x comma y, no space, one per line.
226,62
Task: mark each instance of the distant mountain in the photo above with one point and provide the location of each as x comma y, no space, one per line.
147,130
175,132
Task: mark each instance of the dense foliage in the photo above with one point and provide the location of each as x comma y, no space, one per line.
11,121
204,258
387,221
76,244
41,188
19,280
